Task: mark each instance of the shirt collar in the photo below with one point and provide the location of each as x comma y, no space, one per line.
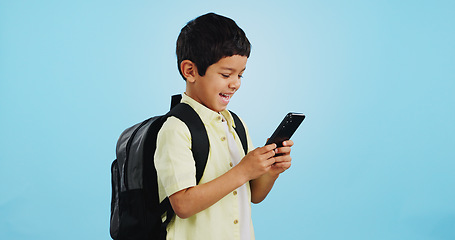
206,114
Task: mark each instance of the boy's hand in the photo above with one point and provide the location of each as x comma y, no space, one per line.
282,158
258,162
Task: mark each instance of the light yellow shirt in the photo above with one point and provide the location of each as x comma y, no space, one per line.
176,171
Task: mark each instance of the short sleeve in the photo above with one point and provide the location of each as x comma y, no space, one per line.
174,160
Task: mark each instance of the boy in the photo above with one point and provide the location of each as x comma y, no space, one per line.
212,53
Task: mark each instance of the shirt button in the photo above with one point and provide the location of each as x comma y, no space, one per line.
218,118
223,138
236,221
231,164
235,193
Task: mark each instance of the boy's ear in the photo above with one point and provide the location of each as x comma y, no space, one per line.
189,70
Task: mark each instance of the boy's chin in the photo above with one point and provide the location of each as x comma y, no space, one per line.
217,108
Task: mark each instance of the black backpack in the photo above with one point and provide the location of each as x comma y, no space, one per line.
135,207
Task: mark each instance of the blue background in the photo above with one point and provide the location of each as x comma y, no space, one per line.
373,160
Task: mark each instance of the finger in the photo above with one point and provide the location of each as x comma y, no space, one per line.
262,150
267,148
284,165
288,143
270,161
269,154
283,158
283,150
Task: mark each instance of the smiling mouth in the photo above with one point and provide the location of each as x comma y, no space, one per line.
225,97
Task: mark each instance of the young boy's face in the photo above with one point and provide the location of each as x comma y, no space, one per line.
221,80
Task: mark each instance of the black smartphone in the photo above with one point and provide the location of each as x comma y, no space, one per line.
286,128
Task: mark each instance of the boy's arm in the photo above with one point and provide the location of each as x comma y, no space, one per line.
260,187
192,200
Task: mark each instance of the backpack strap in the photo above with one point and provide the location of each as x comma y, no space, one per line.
175,99
200,148
200,145
240,129
199,139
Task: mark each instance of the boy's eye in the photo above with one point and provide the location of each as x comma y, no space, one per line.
229,75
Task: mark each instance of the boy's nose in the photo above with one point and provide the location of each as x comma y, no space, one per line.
235,84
